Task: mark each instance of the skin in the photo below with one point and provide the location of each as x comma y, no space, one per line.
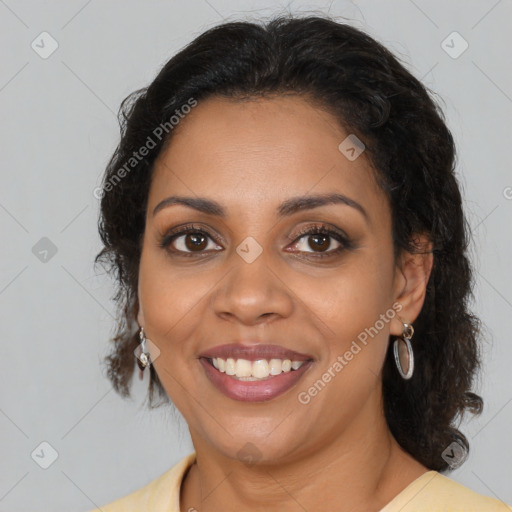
249,156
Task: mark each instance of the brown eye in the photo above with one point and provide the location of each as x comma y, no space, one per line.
319,242
187,241
195,241
192,241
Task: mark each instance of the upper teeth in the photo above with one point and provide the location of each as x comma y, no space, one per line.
259,369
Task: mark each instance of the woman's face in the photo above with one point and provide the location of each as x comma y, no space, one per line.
250,278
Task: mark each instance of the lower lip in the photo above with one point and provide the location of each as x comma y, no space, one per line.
253,391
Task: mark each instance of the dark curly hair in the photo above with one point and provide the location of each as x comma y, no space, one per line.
347,73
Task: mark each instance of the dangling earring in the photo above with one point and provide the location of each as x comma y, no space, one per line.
403,342
143,358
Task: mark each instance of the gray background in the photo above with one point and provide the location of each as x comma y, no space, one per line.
59,129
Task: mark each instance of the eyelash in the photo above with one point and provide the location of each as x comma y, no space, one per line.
172,235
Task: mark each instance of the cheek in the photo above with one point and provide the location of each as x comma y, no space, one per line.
353,307
169,298
352,298
172,305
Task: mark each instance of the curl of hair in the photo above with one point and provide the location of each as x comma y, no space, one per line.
349,74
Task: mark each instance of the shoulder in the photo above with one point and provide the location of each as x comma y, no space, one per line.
434,492
163,493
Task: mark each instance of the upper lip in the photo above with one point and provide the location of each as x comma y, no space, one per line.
253,352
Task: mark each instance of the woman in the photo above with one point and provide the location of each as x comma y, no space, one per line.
285,225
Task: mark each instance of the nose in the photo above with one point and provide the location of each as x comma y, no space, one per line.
252,293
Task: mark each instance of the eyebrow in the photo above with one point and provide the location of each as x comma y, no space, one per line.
285,209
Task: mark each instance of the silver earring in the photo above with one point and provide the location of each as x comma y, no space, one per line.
401,343
144,358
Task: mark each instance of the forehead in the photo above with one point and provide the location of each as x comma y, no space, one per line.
260,151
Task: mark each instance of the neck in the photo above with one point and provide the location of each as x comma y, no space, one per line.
364,468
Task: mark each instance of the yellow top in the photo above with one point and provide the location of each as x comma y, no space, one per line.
431,492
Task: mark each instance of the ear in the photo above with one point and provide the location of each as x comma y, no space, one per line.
140,312
140,317
410,283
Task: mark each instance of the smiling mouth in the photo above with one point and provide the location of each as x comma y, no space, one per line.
258,370
254,381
